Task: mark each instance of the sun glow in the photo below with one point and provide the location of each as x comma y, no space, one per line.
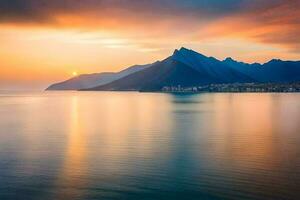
60,37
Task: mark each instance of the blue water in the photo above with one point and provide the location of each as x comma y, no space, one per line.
110,145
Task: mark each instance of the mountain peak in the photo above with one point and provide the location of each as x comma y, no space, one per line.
275,61
187,52
181,54
184,49
229,59
181,50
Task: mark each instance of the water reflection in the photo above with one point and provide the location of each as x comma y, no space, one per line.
97,145
245,126
72,178
249,145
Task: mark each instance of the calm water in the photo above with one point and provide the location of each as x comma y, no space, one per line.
94,145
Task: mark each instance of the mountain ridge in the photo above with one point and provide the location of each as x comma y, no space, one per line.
92,80
189,68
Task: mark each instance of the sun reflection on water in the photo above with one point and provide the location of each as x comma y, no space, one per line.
72,177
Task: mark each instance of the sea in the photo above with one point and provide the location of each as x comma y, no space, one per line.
149,146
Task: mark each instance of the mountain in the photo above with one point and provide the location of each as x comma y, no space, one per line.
209,66
185,68
167,72
93,80
274,71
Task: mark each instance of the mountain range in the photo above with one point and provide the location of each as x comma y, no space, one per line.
92,80
185,68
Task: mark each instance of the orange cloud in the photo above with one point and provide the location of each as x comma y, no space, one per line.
47,40
279,26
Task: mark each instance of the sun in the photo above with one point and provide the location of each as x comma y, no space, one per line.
74,73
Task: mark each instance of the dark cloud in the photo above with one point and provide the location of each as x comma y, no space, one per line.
249,15
43,10
278,24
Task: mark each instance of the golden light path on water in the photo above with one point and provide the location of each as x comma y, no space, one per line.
110,145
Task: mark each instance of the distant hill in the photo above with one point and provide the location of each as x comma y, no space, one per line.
93,80
273,71
186,68
167,72
210,67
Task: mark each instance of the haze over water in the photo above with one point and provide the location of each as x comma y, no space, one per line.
119,145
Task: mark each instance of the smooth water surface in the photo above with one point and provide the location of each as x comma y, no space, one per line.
110,145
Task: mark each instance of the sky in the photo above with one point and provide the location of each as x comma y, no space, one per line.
45,41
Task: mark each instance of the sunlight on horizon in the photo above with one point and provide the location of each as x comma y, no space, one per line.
41,48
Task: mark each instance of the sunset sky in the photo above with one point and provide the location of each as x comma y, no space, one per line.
44,41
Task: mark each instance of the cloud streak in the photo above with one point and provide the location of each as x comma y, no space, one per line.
277,25
89,34
275,22
43,10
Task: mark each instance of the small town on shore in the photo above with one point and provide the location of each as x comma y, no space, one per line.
236,87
